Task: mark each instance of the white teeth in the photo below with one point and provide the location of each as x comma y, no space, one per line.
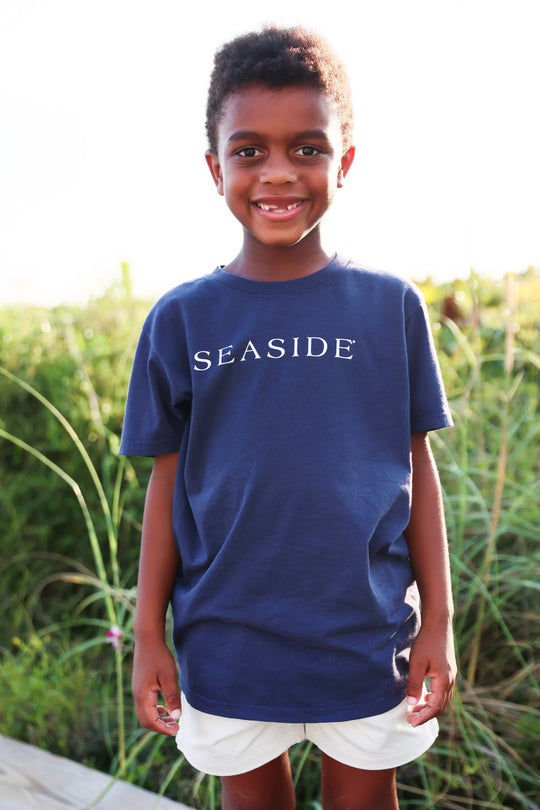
277,208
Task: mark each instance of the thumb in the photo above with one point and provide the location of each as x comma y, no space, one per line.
415,683
171,697
169,686
173,704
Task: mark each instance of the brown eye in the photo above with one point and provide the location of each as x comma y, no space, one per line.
248,152
308,151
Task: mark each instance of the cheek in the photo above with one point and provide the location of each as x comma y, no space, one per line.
328,186
235,184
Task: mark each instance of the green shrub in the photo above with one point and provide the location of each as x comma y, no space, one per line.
79,360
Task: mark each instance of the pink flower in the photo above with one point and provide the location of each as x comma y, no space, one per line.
114,637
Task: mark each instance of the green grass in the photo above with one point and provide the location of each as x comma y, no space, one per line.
70,521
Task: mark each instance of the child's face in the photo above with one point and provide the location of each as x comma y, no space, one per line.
280,160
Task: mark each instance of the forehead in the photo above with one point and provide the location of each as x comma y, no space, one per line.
281,112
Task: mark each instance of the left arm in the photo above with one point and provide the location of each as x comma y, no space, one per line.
432,653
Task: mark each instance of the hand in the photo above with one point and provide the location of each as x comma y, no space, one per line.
432,656
154,670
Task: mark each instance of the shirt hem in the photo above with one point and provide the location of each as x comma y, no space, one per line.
293,714
431,422
135,448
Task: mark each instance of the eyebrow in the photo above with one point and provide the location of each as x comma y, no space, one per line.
246,135
242,135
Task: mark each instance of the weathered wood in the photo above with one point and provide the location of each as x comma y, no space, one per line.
33,779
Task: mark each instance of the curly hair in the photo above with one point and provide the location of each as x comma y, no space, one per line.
278,58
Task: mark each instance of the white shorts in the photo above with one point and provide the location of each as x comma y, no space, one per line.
224,746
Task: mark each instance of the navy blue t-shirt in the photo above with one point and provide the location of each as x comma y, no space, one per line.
292,406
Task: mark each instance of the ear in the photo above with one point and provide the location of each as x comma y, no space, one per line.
345,165
212,161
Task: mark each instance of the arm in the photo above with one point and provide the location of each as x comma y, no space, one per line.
154,667
432,653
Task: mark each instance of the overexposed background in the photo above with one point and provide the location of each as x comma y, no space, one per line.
102,139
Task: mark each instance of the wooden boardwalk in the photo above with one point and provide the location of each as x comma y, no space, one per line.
33,779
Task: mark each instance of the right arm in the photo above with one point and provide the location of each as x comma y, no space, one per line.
154,666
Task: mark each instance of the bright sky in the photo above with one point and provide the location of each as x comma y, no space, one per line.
102,139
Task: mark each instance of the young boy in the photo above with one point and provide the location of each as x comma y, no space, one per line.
293,516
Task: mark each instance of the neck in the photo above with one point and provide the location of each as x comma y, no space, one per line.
261,262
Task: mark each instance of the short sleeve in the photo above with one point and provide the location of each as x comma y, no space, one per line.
158,398
428,404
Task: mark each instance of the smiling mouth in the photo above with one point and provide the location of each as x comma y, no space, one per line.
278,208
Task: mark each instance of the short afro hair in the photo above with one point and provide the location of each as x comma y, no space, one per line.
278,58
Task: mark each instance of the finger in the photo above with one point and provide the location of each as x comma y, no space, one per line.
434,704
442,687
170,721
423,712
164,714
154,717
417,707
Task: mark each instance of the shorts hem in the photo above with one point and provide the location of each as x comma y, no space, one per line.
256,759
390,759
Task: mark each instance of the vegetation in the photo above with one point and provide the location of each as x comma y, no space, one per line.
69,522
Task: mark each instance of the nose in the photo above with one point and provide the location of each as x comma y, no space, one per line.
277,169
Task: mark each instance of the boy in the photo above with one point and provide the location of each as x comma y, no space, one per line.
294,505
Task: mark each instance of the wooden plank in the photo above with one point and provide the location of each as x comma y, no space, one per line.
33,779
